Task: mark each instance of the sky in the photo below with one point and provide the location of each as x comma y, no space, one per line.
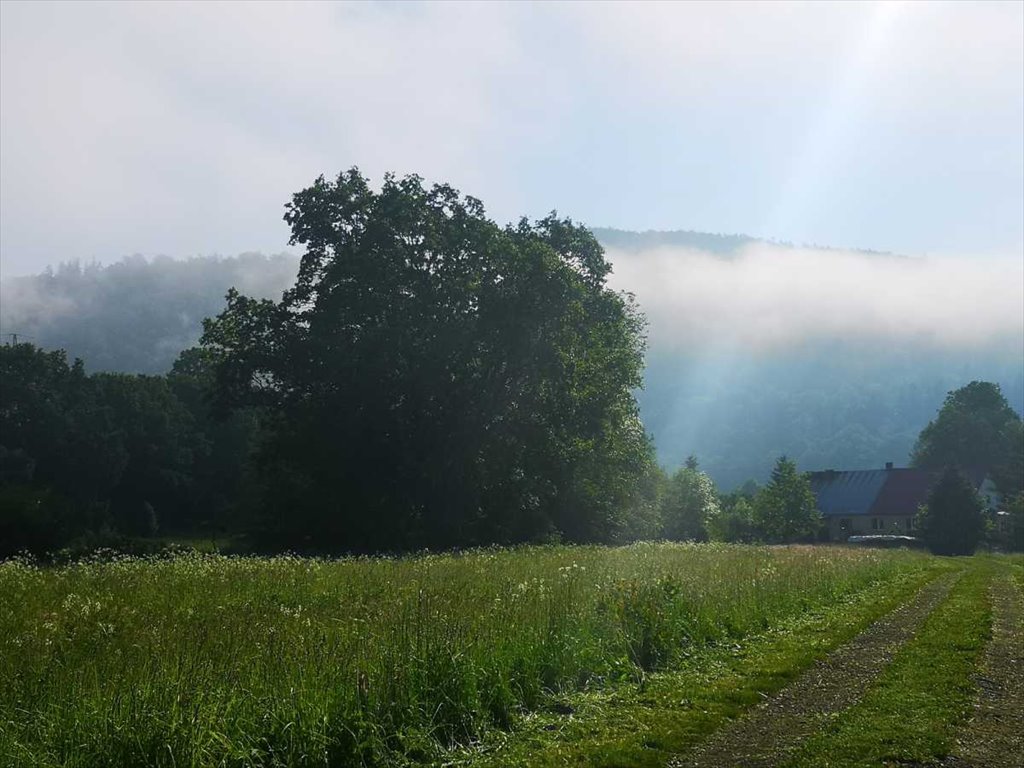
183,128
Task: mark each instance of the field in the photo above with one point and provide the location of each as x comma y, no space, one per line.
532,656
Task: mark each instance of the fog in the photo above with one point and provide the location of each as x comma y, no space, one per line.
768,298
836,358
135,315
749,298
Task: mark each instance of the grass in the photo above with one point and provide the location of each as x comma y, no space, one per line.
207,660
647,724
911,713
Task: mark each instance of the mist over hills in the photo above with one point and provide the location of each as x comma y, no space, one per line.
136,315
834,357
708,242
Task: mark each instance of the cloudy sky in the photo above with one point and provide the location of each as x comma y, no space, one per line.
183,128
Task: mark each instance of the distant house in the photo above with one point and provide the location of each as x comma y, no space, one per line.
880,501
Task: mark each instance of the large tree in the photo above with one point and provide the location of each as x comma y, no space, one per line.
952,521
975,428
435,379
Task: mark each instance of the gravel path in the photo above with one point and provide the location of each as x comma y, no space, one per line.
766,735
994,737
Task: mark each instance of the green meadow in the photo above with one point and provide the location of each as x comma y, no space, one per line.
207,660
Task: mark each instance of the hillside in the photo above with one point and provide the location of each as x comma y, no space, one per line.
683,238
136,315
708,242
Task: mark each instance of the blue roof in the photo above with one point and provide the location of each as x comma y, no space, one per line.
847,493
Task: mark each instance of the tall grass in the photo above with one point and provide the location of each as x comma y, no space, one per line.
207,660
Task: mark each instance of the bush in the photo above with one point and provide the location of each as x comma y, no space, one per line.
953,521
34,520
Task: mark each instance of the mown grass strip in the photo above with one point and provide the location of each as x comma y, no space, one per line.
668,713
909,716
994,735
765,736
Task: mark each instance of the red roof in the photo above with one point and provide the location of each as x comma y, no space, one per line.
903,492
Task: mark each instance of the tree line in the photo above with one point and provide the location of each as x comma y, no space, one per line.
102,459
126,460
120,460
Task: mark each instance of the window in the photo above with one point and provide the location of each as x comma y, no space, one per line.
877,524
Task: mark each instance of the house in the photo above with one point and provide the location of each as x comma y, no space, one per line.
880,501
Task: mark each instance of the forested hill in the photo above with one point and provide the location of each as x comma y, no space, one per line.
831,405
708,242
827,407
136,315
703,241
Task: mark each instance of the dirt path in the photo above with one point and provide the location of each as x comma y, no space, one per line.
994,737
766,735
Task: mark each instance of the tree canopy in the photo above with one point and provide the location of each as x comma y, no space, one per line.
435,379
975,427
